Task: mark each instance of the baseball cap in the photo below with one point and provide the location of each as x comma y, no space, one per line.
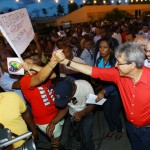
63,90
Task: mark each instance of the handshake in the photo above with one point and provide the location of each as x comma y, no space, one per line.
58,56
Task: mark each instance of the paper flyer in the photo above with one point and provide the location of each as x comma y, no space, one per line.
91,100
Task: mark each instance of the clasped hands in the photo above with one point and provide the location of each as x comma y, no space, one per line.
58,56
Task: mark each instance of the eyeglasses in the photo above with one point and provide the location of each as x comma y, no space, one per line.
119,64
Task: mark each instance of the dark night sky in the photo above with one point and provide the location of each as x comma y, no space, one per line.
34,8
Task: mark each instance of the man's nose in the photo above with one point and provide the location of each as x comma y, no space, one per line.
116,64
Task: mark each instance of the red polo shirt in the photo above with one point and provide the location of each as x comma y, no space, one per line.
135,96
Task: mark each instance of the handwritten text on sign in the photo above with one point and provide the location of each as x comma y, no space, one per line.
18,29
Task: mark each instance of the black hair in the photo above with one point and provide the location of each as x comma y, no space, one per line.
112,46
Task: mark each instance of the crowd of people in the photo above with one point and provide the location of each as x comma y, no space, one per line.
109,60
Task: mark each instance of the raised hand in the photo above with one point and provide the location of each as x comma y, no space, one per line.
58,56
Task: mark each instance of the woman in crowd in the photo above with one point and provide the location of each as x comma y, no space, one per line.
108,90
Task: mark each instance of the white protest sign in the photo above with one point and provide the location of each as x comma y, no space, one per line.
14,66
16,27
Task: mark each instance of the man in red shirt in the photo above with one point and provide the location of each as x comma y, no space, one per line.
133,81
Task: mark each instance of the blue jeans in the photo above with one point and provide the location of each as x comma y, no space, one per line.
139,137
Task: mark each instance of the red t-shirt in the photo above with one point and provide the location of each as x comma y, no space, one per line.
135,96
41,99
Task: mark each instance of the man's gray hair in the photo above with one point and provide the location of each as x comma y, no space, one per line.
132,53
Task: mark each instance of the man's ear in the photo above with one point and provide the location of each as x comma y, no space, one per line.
133,65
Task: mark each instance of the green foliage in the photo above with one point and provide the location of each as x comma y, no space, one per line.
60,9
100,19
146,15
72,7
117,15
44,11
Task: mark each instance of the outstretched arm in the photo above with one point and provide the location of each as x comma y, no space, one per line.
43,74
40,76
59,56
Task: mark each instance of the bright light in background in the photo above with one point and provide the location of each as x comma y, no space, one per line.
95,1
126,1
71,1
112,1
56,1
104,2
37,1
84,1
119,1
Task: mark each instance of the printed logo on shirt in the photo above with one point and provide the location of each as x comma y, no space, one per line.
42,92
45,100
51,93
44,97
40,88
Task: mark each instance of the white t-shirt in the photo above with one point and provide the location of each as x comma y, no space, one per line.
83,90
